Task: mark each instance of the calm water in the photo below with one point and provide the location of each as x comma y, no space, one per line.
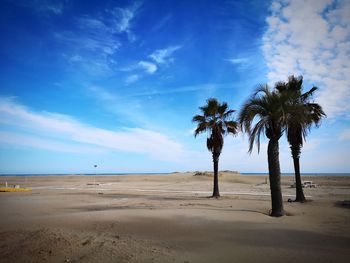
102,174
304,174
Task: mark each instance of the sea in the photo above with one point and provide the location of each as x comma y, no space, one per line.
303,174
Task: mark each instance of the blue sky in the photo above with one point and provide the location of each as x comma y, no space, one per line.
116,83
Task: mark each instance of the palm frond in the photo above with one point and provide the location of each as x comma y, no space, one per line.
198,118
307,95
263,113
232,127
228,114
300,114
202,127
222,109
256,133
262,88
216,121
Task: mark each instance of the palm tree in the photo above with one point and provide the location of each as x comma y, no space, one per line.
265,112
217,123
302,115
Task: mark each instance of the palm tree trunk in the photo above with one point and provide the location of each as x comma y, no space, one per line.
299,189
216,193
275,178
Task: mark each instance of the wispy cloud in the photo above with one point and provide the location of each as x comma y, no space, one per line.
144,66
55,7
162,22
44,7
97,38
312,38
90,49
163,56
92,23
37,142
132,78
122,19
102,94
148,66
132,106
63,127
238,61
128,108
107,96
115,103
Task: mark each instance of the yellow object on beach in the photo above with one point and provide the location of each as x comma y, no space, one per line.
12,189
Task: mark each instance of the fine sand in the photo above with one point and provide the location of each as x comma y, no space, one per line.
168,218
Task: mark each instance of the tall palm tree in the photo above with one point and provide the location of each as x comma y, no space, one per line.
265,112
302,115
217,122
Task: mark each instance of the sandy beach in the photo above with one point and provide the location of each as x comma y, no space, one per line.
168,218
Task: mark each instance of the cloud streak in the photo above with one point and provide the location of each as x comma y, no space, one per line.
132,78
32,141
121,19
164,56
148,66
312,38
56,127
96,39
46,7
238,61
145,66
160,57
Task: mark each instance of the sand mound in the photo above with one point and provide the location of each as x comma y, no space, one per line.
211,174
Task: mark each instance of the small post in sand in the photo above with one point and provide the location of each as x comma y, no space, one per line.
95,166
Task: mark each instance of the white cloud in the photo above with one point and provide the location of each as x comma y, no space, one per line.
52,126
208,88
132,78
163,56
345,135
91,48
95,41
312,38
14,138
148,66
275,6
238,61
122,19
